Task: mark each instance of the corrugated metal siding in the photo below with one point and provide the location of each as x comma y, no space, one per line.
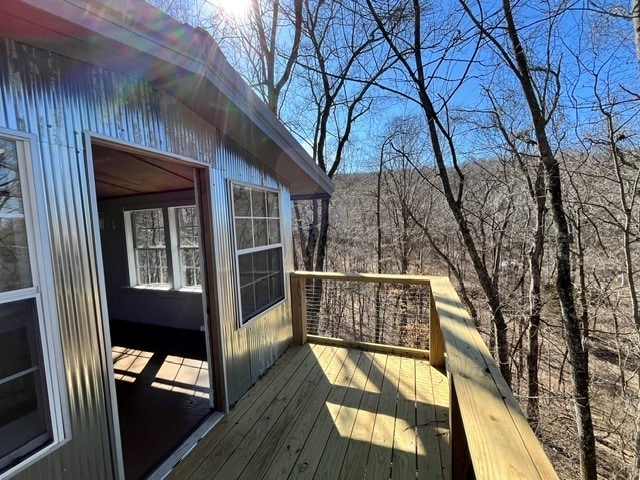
251,350
57,99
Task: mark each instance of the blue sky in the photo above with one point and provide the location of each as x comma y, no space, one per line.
593,52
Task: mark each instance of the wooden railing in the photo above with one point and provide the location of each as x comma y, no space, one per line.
489,436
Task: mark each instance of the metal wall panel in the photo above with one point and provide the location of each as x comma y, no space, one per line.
57,100
251,350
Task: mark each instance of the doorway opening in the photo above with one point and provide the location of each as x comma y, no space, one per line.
151,216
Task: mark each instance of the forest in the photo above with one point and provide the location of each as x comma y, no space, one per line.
496,142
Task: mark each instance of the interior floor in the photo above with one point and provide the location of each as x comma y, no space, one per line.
162,385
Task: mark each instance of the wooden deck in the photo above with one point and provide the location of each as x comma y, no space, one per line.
326,412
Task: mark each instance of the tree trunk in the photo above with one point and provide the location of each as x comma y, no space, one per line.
636,474
535,303
578,355
489,288
635,14
378,289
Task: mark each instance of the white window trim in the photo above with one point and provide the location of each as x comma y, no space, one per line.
237,252
171,246
42,293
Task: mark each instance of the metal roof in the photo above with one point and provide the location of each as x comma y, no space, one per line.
133,37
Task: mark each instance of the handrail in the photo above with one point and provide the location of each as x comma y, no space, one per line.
490,438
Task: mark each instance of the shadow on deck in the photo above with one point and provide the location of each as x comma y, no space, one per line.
329,412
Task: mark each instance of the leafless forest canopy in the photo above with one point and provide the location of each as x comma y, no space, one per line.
496,142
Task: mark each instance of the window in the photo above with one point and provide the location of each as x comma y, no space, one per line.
256,214
188,245
151,263
30,416
149,247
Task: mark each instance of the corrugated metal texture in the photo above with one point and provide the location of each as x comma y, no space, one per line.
64,97
251,350
57,99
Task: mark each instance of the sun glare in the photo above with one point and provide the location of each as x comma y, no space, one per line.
234,8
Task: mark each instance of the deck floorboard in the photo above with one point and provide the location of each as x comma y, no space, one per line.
325,412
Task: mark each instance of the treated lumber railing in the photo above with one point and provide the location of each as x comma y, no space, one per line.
489,436
389,310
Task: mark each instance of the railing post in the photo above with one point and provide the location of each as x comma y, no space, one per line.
461,467
299,309
436,341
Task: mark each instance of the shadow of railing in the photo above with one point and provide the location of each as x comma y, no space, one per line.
326,412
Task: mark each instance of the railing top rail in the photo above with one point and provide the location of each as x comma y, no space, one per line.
368,277
500,440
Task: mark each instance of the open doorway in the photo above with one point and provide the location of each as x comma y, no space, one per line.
150,218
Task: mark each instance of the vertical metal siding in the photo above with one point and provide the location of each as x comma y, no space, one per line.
251,350
57,99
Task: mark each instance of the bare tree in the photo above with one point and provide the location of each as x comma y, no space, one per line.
263,45
341,63
626,170
513,53
519,145
403,27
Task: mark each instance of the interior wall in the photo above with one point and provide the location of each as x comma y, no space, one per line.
169,308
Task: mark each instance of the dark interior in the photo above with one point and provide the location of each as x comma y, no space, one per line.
159,346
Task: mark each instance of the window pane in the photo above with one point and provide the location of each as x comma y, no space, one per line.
24,412
276,287
15,271
241,201
187,221
152,266
261,264
148,228
244,234
149,244
262,293
259,203
273,210
245,265
275,260
274,231
188,245
248,301
190,266
260,233
261,279
14,352
188,236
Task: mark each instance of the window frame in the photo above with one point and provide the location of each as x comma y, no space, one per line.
171,247
237,252
41,292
